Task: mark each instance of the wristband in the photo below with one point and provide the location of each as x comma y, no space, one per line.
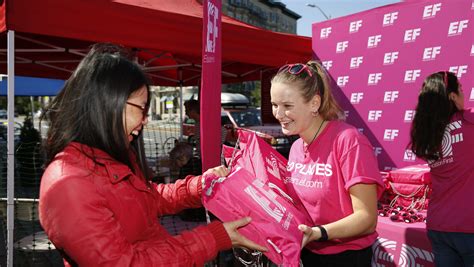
324,234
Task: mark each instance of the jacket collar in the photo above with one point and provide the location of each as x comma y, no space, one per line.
116,171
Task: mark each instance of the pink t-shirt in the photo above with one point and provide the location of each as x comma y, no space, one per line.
339,158
451,207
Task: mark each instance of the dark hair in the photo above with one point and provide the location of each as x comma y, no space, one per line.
433,113
192,105
317,84
90,107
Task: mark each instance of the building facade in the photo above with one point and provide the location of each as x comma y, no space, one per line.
266,14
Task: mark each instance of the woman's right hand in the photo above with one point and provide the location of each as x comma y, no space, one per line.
239,240
309,234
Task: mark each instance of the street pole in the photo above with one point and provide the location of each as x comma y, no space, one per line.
322,12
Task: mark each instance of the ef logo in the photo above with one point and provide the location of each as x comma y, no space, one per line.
327,64
430,53
354,26
390,96
458,70
409,155
390,134
374,78
212,28
409,115
373,41
356,97
374,115
325,33
411,75
430,10
355,62
377,150
390,57
341,46
342,80
411,34
389,18
456,27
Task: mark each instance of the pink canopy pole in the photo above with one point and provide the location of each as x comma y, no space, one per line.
211,84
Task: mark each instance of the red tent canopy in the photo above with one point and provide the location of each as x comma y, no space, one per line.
53,35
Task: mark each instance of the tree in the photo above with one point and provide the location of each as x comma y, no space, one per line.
29,163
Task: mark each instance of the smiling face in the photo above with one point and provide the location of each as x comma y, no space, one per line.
133,114
292,111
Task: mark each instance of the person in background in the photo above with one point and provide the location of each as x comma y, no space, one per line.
332,167
192,109
97,207
442,133
182,161
182,164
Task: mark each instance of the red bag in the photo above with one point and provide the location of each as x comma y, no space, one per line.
409,196
415,174
409,187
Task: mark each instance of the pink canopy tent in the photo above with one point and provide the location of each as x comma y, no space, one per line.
48,38
167,35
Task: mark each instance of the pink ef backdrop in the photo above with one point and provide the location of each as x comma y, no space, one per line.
210,97
378,60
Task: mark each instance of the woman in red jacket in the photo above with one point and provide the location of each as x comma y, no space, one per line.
96,205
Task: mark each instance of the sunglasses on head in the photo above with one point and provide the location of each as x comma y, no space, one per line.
296,69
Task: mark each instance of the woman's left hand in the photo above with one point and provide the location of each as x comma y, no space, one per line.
220,171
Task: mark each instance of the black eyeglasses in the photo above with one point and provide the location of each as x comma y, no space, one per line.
296,69
144,109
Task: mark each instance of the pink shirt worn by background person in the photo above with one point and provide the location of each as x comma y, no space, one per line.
451,206
339,158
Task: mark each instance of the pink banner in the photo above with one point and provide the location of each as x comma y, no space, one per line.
378,60
211,84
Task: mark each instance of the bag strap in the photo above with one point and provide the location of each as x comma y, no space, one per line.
420,203
414,203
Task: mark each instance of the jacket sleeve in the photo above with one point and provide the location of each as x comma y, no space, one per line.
78,220
182,194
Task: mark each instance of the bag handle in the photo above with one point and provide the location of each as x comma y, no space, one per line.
420,202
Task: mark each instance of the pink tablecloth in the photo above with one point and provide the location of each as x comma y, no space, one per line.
402,244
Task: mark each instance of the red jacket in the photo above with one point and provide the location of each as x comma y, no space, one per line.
101,214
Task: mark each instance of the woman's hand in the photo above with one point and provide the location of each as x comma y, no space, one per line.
310,234
220,171
239,240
